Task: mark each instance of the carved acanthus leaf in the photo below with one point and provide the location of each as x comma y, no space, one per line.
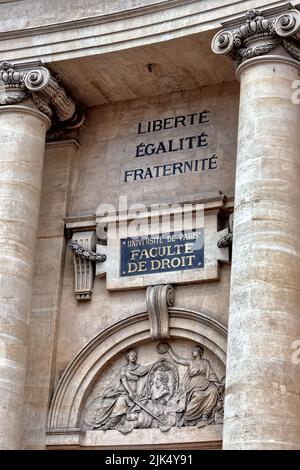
293,48
42,104
12,84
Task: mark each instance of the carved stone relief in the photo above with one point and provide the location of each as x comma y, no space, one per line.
169,391
259,33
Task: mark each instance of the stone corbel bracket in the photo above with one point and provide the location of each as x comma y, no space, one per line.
258,33
226,240
159,299
21,81
83,246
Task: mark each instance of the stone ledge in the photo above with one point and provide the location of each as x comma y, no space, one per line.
116,31
192,437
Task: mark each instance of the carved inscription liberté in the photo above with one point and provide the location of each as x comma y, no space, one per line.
169,145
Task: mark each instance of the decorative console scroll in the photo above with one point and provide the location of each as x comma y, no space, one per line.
83,245
159,299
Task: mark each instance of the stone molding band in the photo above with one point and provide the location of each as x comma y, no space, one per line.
274,58
258,35
33,80
28,110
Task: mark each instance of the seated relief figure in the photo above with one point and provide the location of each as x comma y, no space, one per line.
116,407
201,388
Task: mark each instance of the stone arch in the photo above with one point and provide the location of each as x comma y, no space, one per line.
65,407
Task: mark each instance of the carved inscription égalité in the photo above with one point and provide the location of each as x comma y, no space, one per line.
172,146
153,396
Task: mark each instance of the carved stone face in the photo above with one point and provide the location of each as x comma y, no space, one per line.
196,353
132,356
160,385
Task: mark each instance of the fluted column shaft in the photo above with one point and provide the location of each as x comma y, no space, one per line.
22,143
262,403
29,97
262,396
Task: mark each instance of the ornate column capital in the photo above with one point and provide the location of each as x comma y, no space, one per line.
20,81
258,33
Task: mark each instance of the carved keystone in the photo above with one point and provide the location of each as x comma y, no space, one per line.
159,299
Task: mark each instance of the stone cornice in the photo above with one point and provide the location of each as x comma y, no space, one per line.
94,20
259,33
26,110
21,81
81,37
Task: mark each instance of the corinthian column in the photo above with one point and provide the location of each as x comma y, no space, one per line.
29,97
262,401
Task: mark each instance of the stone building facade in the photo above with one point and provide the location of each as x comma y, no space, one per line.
149,224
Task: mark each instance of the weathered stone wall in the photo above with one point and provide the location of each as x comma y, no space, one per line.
47,287
108,146
76,183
